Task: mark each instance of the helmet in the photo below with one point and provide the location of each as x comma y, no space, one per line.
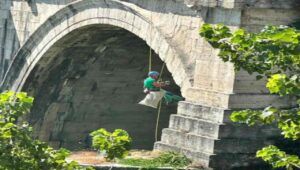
153,73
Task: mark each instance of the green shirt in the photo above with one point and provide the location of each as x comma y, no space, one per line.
148,83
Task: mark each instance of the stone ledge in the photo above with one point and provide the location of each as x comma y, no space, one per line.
208,98
206,144
241,4
187,140
198,157
210,161
221,131
259,101
195,126
236,161
194,110
235,130
240,146
124,167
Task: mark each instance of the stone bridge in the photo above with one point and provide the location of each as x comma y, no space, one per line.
84,62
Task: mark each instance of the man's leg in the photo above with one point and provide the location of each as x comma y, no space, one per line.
170,97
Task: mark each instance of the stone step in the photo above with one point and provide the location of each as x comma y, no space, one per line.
242,131
212,161
207,98
237,161
194,125
197,157
240,146
219,131
195,110
209,145
187,140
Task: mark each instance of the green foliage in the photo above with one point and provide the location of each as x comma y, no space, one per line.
273,53
283,85
167,159
18,150
287,120
273,50
277,158
114,145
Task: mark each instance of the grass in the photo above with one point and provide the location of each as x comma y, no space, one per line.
167,159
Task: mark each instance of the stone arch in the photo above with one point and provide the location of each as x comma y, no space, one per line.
83,13
94,75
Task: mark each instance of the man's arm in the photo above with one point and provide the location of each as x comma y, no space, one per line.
159,84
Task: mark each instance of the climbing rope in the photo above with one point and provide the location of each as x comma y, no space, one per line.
150,50
159,107
150,59
157,121
159,79
160,102
161,71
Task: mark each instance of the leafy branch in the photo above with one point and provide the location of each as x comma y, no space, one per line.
273,53
17,148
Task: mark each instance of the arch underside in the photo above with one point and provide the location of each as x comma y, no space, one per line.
37,61
83,13
46,66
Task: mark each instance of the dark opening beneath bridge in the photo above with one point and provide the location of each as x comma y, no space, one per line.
93,78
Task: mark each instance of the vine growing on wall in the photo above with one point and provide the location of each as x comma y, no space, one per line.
274,54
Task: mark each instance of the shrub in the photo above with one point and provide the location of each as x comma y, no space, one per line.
114,145
18,150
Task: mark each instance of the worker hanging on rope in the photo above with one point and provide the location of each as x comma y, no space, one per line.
153,88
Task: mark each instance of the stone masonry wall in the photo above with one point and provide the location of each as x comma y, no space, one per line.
254,19
242,4
174,20
201,129
18,20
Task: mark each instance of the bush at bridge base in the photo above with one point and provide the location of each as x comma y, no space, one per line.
18,150
113,145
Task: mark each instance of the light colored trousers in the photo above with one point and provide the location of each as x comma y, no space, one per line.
152,98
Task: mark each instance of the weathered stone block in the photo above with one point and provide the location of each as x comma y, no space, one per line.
202,112
206,97
193,125
259,101
187,140
201,158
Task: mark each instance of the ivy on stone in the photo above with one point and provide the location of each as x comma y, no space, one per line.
273,53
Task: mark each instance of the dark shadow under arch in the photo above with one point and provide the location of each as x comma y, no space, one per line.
92,78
